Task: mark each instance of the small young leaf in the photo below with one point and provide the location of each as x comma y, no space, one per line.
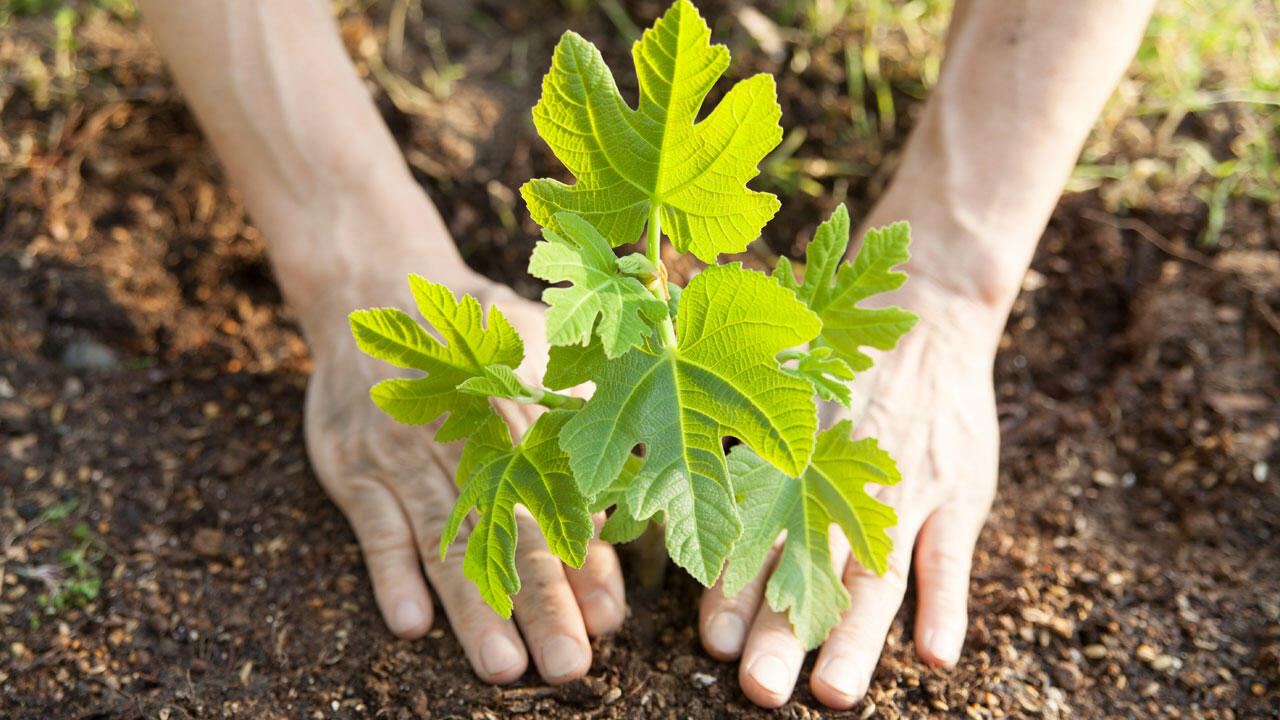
721,379
636,265
570,365
829,375
577,253
629,161
535,474
833,289
497,381
391,335
785,276
831,490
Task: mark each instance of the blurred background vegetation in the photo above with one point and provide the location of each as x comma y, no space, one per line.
1197,116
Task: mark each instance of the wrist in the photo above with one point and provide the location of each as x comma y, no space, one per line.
354,248
979,264
960,283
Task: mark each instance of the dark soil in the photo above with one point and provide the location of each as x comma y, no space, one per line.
149,370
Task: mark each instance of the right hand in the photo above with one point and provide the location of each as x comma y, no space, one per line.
931,404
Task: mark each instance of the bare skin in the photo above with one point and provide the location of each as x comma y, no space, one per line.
344,221
1020,88
279,99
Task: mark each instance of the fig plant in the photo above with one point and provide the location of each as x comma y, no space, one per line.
735,354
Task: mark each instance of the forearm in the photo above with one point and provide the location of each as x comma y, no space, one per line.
277,96
1021,86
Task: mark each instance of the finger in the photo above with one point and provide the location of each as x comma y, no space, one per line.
848,657
771,659
598,586
773,655
943,560
724,620
491,642
386,541
546,608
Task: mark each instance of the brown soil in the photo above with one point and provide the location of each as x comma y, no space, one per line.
1130,567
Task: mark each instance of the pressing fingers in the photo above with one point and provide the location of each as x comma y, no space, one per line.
724,620
386,541
771,659
598,585
843,670
547,609
943,560
492,643
773,654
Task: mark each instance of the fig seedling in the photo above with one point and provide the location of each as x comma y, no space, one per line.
734,354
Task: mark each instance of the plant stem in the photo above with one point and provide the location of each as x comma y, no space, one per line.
651,557
549,399
653,251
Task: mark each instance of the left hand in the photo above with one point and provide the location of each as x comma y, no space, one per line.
931,404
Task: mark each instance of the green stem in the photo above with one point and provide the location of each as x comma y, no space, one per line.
653,251
549,399
653,244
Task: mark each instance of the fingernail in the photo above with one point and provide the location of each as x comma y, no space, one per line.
944,645
725,632
498,654
843,676
561,656
770,673
408,616
599,609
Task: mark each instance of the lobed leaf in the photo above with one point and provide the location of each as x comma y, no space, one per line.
622,526
721,379
829,375
831,490
580,255
497,381
535,474
833,289
469,348
629,162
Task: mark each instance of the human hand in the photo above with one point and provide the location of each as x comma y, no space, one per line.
931,404
396,487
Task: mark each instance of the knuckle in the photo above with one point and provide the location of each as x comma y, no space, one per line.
895,576
381,541
944,559
853,631
894,579
601,563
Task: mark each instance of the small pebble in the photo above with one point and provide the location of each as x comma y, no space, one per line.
1067,675
1145,653
91,355
612,696
208,542
1164,662
1095,651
